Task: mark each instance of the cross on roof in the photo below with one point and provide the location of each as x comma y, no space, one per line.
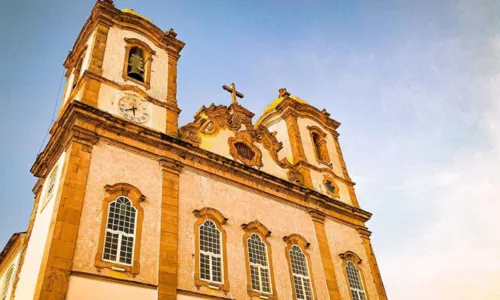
234,92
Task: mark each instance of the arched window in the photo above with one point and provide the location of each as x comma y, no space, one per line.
138,59
119,245
299,263
135,68
259,261
355,282
259,267
301,279
120,232
319,144
354,275
210,255
210,252
7,282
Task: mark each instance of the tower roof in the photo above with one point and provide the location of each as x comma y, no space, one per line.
133,12
277,101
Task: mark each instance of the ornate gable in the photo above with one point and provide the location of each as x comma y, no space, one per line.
246,141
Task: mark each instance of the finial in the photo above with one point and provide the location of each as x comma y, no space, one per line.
107,1
171,33
283,93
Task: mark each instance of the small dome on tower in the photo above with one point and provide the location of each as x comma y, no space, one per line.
283,94
133,12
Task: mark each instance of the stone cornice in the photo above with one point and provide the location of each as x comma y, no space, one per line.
106,14
89,123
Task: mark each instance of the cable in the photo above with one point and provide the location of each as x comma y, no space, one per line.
53,113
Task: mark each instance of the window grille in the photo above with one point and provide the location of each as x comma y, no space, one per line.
301,278
355,282
210,252
259,269
6,282
120,232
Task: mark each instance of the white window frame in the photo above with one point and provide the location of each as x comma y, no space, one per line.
120,236
259,267
7,282
358,274
302,277
210,255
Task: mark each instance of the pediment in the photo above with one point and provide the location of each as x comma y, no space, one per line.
246,141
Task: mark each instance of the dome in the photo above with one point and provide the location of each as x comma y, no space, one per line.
133,12
277,101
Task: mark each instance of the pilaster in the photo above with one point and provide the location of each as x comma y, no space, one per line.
172,110
318,219
168,260
297,147
377,278
91,87
53,279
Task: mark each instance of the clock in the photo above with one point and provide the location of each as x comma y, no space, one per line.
133,109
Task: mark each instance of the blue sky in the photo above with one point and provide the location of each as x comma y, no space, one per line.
415,84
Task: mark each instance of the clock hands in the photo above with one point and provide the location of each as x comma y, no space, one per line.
133,109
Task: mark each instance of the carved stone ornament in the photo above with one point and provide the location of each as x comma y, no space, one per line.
242,149
211,120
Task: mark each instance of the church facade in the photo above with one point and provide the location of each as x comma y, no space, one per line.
131,205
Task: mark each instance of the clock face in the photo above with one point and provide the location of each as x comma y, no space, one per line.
134,109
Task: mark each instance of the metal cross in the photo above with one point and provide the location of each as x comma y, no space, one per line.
234,92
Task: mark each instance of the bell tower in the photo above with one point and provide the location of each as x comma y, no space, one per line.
123,64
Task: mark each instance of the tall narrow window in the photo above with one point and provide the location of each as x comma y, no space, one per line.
299,267
119,245
355,282
120,231
50,187
319,144
353,274
258,261
7,282
211,258
259,269
301,279
78,69
210,253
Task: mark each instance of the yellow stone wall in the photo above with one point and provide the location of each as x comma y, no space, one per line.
241,205
110,165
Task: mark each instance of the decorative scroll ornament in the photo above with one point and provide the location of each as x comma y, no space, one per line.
211,120
242,149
